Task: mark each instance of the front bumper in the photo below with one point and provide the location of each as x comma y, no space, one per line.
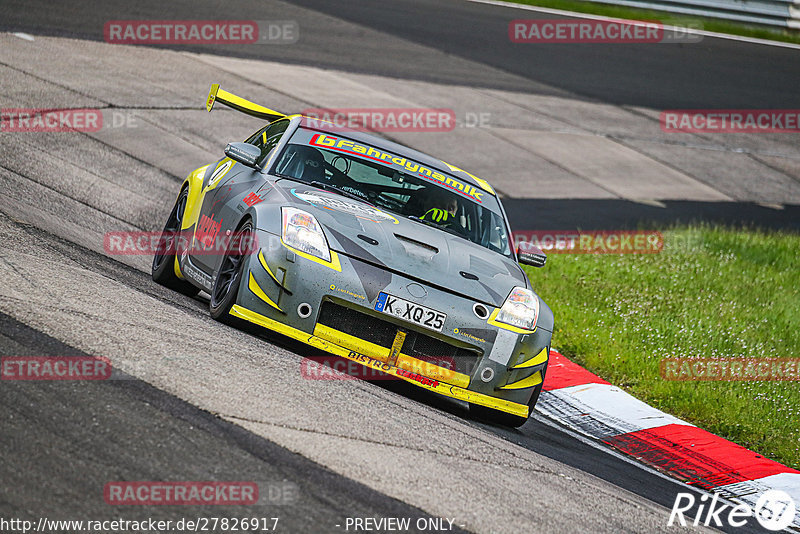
443,388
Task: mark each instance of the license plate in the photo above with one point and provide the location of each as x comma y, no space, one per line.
408,311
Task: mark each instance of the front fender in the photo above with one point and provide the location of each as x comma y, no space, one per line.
546,320
195,184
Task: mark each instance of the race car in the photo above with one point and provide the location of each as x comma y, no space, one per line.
368,250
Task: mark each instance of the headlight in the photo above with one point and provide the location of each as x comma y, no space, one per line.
521,309
302,231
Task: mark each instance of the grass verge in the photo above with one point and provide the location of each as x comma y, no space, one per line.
712,293
675,19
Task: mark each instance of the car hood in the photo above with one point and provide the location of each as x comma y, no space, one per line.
407,247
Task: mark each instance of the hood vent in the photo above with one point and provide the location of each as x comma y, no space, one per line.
417,249
368,239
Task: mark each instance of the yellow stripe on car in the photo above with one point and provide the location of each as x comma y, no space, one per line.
397,347
534,380
195,199
383,354
191,211
334,264
263,262
253,286
219,172
176,268
353,343
533,362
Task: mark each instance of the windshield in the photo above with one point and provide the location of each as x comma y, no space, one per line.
396,184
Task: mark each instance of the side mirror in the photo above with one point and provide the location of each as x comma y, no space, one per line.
533,256
244,153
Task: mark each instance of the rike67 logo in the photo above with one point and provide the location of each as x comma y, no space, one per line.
774,510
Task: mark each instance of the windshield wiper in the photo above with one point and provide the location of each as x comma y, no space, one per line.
343,192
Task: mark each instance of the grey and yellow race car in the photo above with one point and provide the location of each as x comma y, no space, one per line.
368,250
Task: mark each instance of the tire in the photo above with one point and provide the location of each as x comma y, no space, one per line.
163,270
225,289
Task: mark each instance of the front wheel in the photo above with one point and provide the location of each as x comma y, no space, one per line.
226,285
163,268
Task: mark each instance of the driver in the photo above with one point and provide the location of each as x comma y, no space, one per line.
444,216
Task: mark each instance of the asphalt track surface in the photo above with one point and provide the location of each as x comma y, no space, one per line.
717,74
73,448
474,50
61,442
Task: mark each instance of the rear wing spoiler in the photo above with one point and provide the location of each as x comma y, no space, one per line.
240,104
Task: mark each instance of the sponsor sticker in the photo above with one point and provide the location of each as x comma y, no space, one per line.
252,199
207,231
344,145
362,211
347,292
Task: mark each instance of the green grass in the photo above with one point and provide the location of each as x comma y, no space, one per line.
675,19
711,292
